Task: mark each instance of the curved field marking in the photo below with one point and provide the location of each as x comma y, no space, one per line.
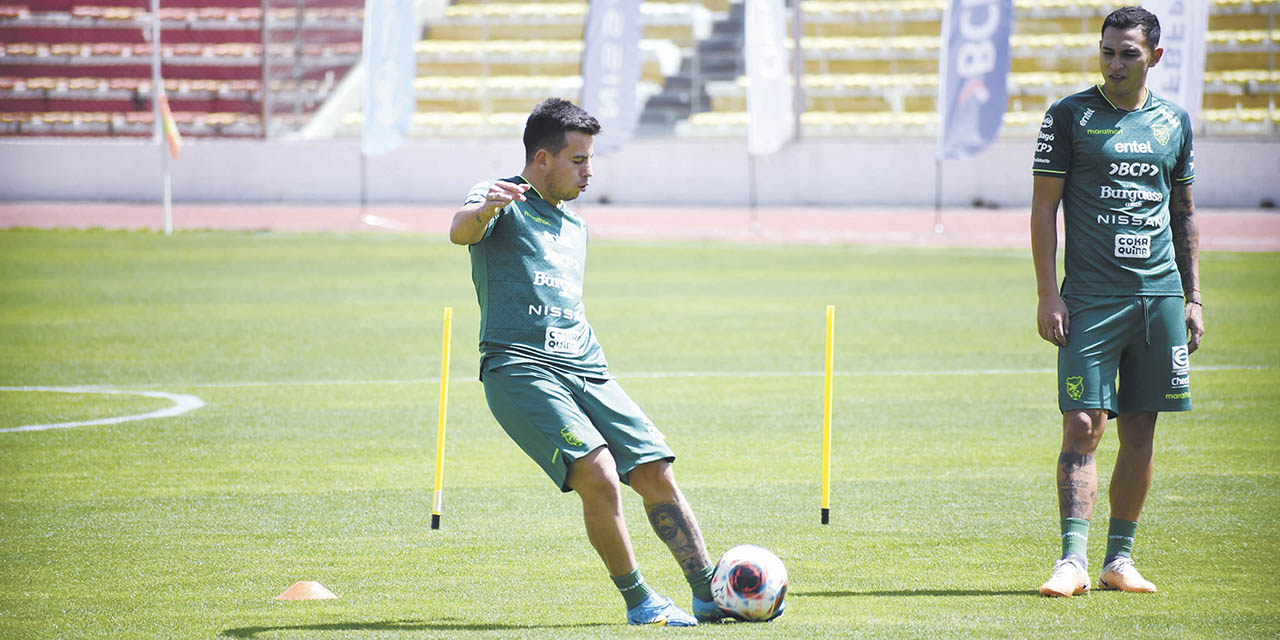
182,403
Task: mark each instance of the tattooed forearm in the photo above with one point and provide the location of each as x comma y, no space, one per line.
1186,239
1077,485
674,524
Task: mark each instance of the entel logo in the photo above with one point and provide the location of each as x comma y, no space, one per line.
1088,113
1133,147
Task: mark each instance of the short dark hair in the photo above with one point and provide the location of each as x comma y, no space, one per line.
1126,18
548,123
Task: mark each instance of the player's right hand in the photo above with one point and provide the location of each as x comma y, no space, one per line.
1052,319
501,194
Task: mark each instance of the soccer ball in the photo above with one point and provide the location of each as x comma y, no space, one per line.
749,583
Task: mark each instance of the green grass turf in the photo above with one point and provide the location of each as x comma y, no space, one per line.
318,359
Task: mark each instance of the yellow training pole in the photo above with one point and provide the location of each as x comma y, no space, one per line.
826,418
444,402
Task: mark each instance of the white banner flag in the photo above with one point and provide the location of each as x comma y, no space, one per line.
611,70
973,71
770,114
1180,74
390,30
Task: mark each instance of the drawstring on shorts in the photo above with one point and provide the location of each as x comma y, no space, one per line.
1146,322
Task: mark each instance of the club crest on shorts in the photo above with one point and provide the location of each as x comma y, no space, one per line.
1075,387
570,435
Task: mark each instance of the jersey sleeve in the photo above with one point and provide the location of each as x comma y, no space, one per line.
1053,143
1184,171
477,195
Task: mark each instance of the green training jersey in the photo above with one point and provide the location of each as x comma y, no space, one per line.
528,273
1119,168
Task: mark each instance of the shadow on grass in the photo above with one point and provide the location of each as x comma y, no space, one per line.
916,592
398,625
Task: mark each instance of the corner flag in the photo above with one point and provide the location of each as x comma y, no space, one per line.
171,133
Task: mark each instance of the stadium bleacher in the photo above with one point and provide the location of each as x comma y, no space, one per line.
870,66
68,68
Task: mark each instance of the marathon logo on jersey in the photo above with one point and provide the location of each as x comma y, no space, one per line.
566,341
1133,147
531,216
1107,192
1180,362
1132,246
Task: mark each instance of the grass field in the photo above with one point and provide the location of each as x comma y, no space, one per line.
317,357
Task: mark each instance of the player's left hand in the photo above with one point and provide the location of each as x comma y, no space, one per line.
1195,326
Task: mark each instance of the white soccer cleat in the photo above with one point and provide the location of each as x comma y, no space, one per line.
1121,575
1068,579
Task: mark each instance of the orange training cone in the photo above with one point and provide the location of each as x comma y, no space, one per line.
306,591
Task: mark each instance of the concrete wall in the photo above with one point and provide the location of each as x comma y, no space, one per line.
828,172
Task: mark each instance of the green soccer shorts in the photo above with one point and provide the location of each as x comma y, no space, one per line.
1142,340
558,417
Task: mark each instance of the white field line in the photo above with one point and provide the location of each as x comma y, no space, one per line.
683,374
182,403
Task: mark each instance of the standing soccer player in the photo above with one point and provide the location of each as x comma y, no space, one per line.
544,373
1119,159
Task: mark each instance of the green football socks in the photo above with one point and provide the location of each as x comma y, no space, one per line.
633,588
1075,539
1120,538
700,582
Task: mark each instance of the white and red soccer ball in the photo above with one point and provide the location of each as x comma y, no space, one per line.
750,583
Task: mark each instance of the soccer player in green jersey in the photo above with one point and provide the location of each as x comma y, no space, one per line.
545,376
1119,160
